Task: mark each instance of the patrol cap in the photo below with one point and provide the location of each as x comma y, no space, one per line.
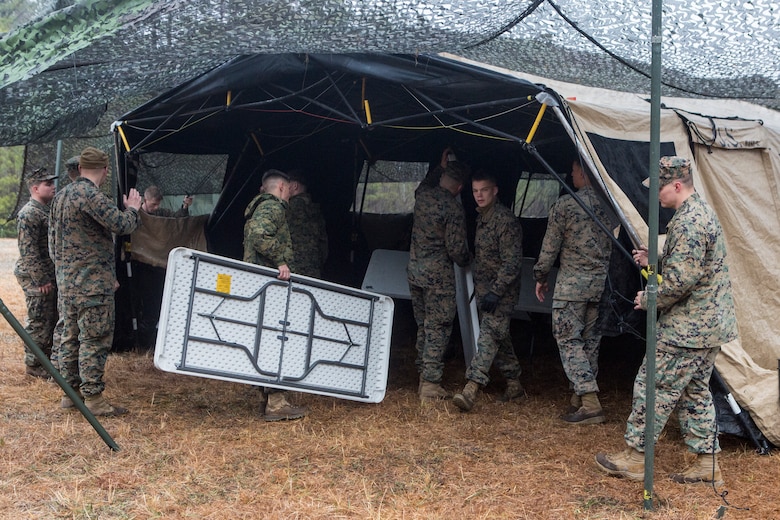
93,159
73,162
39,175
457,171
275,173
672,167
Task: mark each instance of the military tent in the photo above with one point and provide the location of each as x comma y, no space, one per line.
341,116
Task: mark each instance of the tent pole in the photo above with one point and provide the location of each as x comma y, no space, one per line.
652,246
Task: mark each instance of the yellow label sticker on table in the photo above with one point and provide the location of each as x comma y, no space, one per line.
223,283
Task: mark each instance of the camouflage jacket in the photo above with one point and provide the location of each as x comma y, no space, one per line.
32,225
583,247
498,253
81,224
694,298
431,179
308,234
266,233
438,239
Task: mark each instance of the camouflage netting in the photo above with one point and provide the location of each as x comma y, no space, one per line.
69,68
67,65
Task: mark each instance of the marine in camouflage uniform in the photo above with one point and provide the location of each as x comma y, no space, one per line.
267,239
267,242
438,240
81,243
498,259
584,250
34,270
307,229
696,317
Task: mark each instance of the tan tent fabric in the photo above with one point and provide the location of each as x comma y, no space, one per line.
157,236
754,388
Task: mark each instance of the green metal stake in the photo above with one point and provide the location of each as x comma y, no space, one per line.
70,392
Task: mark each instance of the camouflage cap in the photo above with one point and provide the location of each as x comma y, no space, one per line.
93,159
39,175
73,162
672,167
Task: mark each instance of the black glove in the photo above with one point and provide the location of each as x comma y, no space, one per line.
490,302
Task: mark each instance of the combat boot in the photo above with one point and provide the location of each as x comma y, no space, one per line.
99,406
37,371
465,399
629,463
279,409
513,390
589,413
263,400
704,469
575,402
66,401
432,392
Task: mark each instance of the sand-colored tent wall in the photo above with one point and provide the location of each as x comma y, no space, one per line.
738,176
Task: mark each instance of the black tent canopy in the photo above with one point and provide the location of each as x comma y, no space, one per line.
331,114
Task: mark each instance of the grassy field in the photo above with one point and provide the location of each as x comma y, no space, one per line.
197,448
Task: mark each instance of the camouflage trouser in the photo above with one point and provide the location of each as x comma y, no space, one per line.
682,380
434,312
41,320
494,343
88,331
574,328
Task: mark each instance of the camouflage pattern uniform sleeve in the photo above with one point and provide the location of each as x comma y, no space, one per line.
267,235
103,210
583,247
510,239
438,239
32,236
551,243
308,235
695,300
455,235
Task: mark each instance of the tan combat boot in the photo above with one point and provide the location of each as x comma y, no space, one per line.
263,401
279,409
704,469
99,406
575,402
629,463
37,371
432,392
465,399
66,401
589,413
513,390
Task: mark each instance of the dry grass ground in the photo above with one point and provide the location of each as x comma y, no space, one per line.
196,448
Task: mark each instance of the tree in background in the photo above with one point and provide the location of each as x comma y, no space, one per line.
11,164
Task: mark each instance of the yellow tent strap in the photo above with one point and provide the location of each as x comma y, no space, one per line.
536,123
124,139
